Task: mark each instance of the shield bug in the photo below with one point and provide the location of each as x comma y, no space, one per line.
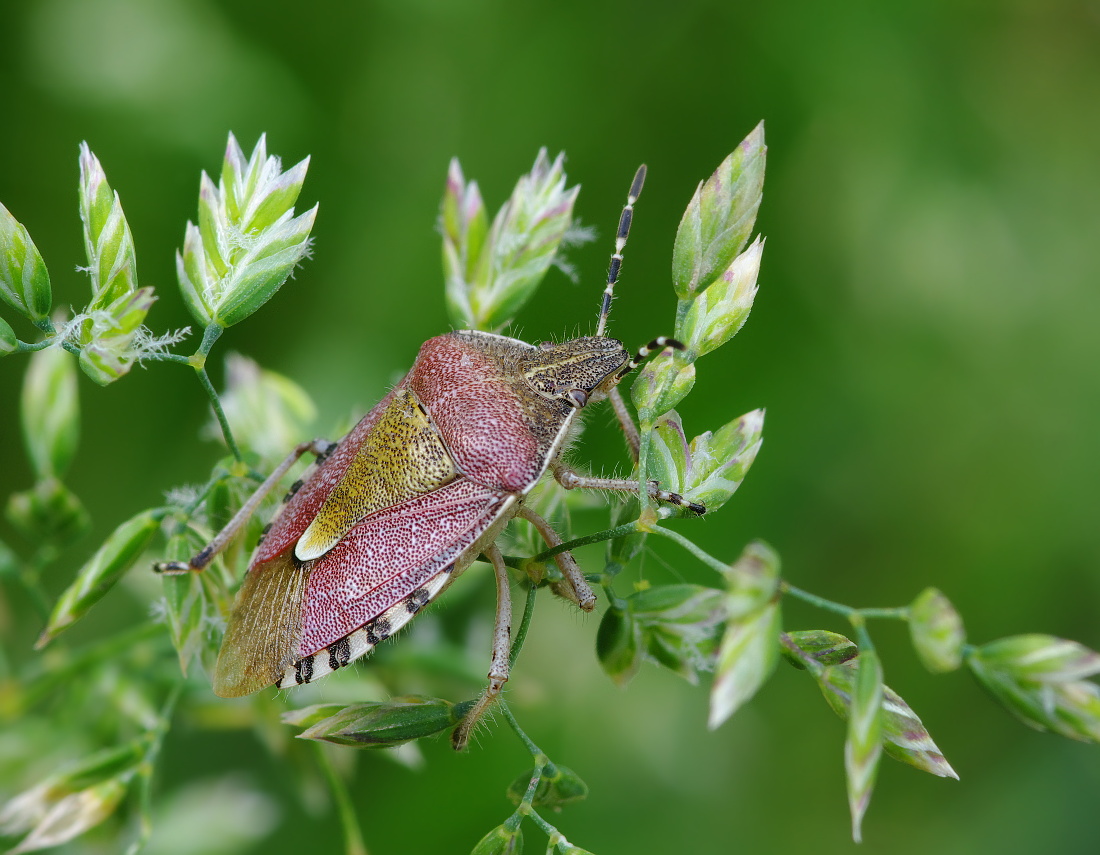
388,517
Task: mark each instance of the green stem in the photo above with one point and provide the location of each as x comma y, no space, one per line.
524,625
606,534
145,772
349,823
703,556
219,413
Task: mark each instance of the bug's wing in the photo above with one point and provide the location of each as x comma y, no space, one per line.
295,622
264,629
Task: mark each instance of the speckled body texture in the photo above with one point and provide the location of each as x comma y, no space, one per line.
406,501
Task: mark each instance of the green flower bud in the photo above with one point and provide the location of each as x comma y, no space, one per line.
1043,658
384,724
8,342
72,815
558,786
50,411
619,645
117,555
662,384
184,601
248,240
24,280
718,313
621,550
719,219
489,278
937,631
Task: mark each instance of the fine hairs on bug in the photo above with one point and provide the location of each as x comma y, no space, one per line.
388,517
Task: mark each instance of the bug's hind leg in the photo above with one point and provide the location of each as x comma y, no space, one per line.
500,665
322,448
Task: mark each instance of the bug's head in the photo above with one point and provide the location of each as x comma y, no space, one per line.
577,371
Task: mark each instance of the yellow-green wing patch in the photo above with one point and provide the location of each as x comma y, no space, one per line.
403,456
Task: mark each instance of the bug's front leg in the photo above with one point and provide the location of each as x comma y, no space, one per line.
500,665
573,480
322,448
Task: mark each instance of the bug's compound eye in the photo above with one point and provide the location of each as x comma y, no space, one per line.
577,398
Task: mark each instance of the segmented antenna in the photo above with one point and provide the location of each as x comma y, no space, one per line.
620,243
656,346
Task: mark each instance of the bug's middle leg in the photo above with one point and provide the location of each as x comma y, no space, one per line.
500,665
572,480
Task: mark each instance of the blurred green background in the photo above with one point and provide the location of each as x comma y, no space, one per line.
924,341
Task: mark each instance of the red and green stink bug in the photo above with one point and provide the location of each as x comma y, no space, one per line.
422,486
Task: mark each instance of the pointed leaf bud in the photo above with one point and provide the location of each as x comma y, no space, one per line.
24,281
465,226
830,658
747,657
248,240
863,747
720,217
72,815
114,338
50,411
752,580
183,599
523,242
387,723
809,648
717,314
662,384
679,626
937,631
112,263
1038,678
720,460
117,555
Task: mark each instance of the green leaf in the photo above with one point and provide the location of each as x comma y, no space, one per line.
24,280
937,631
49,511
720,217
502,840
